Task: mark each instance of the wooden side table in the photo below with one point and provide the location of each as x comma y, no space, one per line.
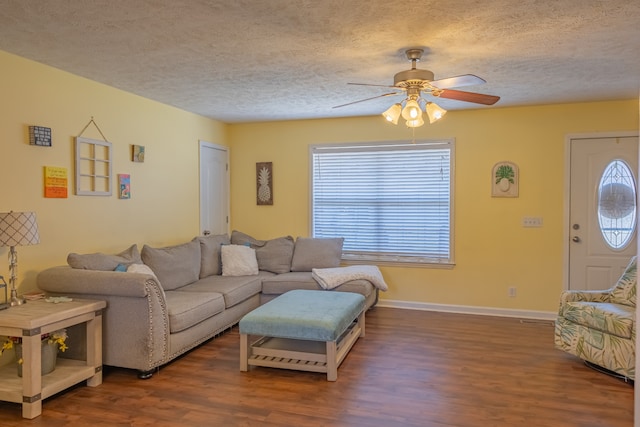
30,321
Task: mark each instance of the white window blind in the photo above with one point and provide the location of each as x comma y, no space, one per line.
391,202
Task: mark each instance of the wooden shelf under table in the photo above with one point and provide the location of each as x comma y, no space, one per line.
68,372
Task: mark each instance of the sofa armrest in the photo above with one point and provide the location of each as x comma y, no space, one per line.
136,321
67,280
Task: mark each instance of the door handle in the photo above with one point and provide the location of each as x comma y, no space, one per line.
206,232
576,239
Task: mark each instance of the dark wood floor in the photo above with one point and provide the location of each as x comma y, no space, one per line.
413,368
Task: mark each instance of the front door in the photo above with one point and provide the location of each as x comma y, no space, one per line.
602,212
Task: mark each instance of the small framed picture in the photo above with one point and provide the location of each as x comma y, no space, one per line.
124,186
137,153
40,135
504,180
264,183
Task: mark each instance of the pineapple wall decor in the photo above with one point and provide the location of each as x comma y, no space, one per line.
264,183
504,180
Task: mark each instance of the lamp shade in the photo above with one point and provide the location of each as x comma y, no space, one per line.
18,229
435,112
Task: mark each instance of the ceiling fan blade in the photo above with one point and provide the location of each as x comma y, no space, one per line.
368,99
457,81
478,98
367,84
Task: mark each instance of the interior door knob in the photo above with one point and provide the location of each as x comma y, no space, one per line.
576,239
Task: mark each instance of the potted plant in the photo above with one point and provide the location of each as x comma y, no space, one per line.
51,343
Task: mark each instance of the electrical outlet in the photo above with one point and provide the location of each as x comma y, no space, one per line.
512,292
532,221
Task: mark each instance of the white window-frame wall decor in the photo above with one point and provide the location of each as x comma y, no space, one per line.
93,167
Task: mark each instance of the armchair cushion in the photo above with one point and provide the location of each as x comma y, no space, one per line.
624,292
614,319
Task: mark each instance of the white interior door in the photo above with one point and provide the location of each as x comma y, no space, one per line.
602,211
214,189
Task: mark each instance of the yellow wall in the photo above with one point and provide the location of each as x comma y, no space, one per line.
492,249
164,208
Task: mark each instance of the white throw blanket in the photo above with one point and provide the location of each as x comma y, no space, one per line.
330,278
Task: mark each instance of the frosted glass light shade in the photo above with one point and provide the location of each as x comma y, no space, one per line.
412,110
393,113
415,123
435,112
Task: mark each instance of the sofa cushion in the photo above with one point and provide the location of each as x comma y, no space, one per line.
174,266
273,255
281,283
613,319
239,260
210,254
187,308
104,262
234,289
310,252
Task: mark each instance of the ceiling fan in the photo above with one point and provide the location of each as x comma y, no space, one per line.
415,82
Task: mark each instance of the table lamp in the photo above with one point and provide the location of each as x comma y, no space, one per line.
17,229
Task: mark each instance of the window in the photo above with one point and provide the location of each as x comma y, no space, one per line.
390,201
617,204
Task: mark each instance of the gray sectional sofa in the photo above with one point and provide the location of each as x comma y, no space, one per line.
162,302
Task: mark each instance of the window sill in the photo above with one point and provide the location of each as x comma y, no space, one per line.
399,263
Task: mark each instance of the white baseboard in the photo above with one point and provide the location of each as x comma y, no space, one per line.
467,309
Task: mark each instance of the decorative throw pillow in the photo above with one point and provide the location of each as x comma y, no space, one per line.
174,266
273,255
104,262
210,261
140,268
239,260
313,252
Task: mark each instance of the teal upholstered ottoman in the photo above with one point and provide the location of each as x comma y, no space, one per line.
303,330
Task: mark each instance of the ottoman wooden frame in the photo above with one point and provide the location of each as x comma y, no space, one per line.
331,324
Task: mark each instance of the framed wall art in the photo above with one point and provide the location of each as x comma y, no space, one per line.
124,186
264,183
137,153
505,180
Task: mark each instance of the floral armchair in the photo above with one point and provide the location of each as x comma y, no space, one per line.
600,326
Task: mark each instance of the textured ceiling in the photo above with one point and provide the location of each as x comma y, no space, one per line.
258,60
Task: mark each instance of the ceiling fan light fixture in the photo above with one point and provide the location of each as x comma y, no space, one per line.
393,113
435,112
416,123
412,110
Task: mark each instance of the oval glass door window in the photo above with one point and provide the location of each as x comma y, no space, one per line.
617,210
